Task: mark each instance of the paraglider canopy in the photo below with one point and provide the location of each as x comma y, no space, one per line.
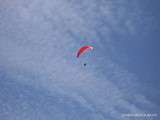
83,49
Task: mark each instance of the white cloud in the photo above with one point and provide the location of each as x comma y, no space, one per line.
38,44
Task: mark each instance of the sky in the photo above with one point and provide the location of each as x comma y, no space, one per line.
41,78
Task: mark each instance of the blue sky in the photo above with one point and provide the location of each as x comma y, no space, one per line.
41,78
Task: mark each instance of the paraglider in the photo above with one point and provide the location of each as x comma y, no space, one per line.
82,50
85,64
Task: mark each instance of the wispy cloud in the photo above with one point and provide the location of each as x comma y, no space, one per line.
37,49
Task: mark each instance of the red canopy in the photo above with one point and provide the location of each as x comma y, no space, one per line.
83,49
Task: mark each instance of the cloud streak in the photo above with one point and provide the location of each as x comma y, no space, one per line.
37,49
